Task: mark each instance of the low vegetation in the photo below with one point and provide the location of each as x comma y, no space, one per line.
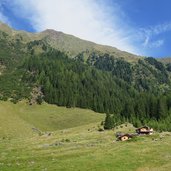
80,147
20,119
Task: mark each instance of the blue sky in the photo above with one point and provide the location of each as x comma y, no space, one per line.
138,26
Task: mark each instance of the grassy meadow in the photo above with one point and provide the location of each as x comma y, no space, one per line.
75,144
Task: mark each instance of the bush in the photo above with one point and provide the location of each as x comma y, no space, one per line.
100,129
65,140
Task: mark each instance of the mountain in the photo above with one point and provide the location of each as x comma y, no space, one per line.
67,71
73,45
67,43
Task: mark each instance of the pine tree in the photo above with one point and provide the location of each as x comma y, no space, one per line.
162,108
108,122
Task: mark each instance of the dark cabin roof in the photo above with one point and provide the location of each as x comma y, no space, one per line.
147,127
128,135
147,130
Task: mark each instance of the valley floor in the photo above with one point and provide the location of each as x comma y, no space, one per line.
81,148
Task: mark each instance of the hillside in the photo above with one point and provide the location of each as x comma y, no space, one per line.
165,60
67,43
17,120
84,148
36,67
74,46
74,143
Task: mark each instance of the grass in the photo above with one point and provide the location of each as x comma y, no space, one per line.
80,147
19,119
11,125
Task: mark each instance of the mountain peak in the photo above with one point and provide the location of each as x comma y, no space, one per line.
51,31
68,43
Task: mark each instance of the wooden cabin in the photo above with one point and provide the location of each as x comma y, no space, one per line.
144,130
124,137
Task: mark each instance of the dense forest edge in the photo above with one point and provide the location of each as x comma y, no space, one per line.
137,92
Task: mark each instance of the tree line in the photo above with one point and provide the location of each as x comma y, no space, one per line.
72,83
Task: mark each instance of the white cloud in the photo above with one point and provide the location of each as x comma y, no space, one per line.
87,19
92,20
149,34
157,43
158,29
153,44
150,43
146,41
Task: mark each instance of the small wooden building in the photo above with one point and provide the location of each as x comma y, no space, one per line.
144,130
124,137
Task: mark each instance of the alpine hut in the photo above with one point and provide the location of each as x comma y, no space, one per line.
124,137
144,130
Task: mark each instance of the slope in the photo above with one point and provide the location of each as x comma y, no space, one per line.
67,43
11,124
74,46
17,120
84,148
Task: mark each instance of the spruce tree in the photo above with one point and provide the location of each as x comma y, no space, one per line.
108,122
